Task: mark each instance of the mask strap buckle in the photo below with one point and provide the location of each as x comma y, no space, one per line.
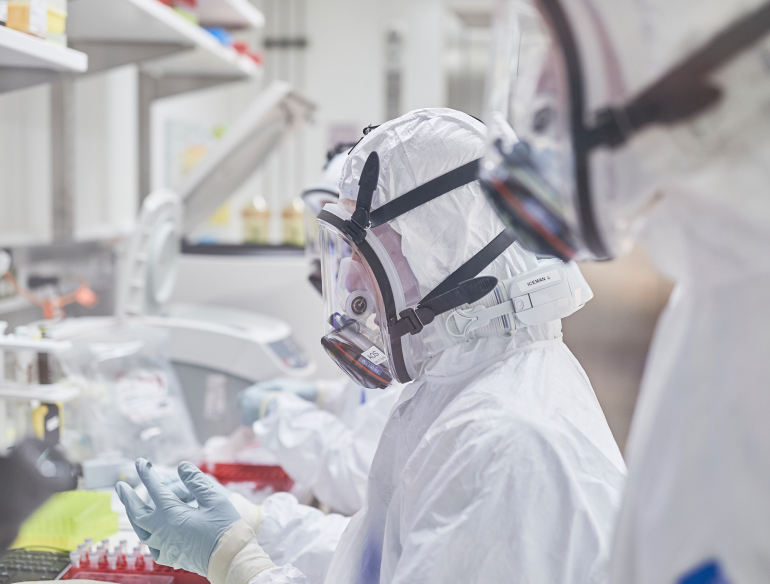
367,184
467,321
413,320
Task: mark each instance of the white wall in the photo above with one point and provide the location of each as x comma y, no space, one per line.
106,135
346,64
104,161
25,167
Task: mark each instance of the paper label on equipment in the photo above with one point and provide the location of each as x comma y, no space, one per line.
215,401
540,281
375,355
52,423
143,396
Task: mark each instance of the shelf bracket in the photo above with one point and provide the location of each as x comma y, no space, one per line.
13,78
103,55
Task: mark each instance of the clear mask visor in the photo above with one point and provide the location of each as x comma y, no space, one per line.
354,315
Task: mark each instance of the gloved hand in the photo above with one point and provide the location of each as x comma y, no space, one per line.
253,400
177,487
178,535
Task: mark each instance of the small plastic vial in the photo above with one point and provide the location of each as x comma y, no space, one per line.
82,551
123,546
102,553
106,544
75,558
139,562
93,558
130,562
149,563
89,542
112,560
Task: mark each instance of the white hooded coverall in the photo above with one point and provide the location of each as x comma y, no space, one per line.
497,464
329,447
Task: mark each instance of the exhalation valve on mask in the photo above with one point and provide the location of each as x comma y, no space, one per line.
359,304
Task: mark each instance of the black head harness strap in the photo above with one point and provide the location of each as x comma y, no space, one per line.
460,287
441,185
685,90
367,184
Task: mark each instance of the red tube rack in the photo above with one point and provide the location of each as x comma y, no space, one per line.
262,476
121,575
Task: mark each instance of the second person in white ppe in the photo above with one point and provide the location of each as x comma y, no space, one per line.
323,432
612,120
497,463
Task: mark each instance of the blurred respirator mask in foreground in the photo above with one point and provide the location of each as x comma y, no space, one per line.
567,181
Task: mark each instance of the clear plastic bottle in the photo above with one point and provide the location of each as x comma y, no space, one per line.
294,223
56,22
75,558
256,221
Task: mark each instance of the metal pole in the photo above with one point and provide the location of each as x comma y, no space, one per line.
147,93
63,160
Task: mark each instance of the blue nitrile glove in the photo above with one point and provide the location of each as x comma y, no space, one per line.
180,490
178,535
252,400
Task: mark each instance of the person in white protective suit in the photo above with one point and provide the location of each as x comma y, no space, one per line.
323,432
497,463
616,120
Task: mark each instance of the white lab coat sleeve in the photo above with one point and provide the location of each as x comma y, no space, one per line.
319,451
302,536
332,395
280,575
512,488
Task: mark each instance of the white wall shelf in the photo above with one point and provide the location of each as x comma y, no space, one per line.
230,14
116,32
26,60
53,393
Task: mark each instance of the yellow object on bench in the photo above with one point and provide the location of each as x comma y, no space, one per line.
67,519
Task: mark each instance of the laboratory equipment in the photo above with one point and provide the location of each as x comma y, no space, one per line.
274,114
21,565
31,473
131,402
254,476
105,472
116,570
31,401
216,351
67,518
